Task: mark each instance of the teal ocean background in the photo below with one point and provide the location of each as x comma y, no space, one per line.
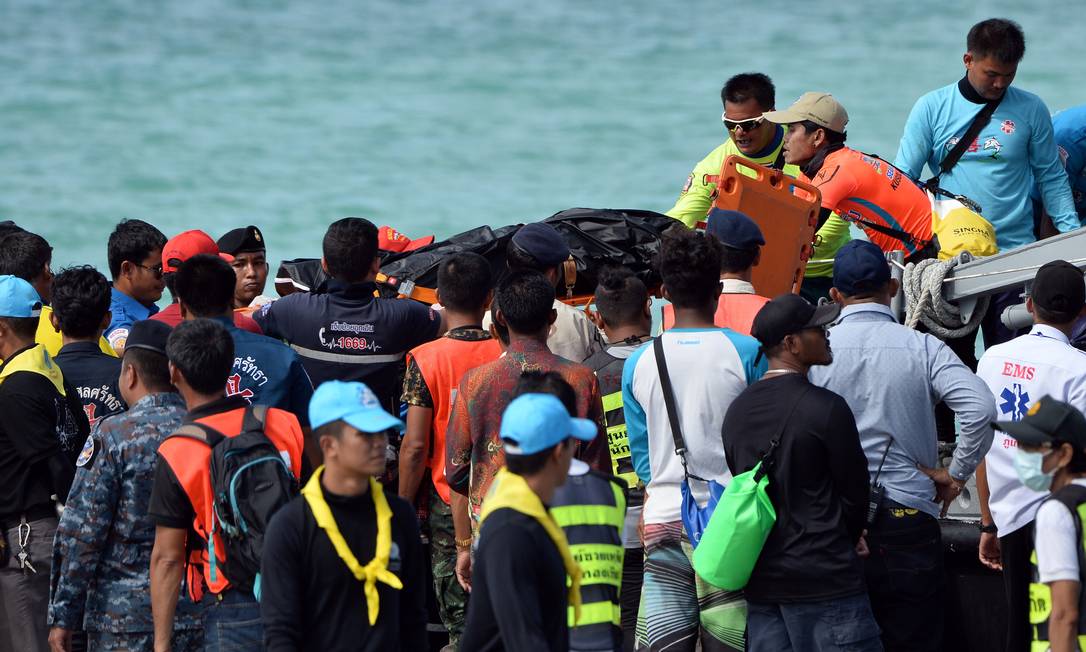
433,116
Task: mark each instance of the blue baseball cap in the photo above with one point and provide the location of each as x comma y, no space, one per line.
18,298
734,229
536,422
542,242
859,266
352,402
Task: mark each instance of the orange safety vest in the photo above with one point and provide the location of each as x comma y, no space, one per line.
734,311
190,462
443,362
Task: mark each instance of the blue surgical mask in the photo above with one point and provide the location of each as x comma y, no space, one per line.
1029,467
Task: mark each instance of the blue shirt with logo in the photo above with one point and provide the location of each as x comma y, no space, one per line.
1070,129
125,311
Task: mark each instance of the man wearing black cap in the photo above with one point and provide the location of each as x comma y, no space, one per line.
1017,373
1051,456
105,536
809,567
892,376
250,263
741,249
538,246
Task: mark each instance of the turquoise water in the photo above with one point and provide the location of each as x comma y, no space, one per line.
434,116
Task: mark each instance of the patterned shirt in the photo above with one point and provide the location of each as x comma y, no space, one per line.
473,445
102,556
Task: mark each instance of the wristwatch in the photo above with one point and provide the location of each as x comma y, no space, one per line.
988,529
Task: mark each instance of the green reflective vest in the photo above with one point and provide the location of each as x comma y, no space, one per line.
591,510
1040,596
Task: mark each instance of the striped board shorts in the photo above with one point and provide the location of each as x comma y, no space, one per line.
678,608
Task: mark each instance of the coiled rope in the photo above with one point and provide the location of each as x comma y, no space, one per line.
924,302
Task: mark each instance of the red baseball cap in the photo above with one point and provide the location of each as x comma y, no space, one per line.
389,239
185,245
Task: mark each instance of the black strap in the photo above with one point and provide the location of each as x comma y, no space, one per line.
886,452
951,159
779,163
669,405
770,457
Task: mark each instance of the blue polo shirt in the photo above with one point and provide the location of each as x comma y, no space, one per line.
343,332
268,372
1070,130
125,311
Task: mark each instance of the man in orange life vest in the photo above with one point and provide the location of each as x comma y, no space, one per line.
434,369
741,249
201,354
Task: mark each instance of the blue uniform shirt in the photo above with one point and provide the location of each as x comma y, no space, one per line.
1070,130
268,372
94,376
1012,151
343,332
125,311
101,572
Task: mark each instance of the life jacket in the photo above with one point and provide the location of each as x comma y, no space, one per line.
36,360
190,460
443,363
608,370
734,311
591,509
1040,596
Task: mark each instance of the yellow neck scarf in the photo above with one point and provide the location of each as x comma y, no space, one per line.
509,490
377,569
36,360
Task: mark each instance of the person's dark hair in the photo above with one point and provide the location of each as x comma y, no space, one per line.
832,137
24,254
350,245
464,280
502,331
153,369
997,37
535,381
1078,459
733,261
203,351
529,464
1050,318
869,294
330,429
205,283
620,296
81,298
25,328
132,240
689,263
518,259
750,85
526,298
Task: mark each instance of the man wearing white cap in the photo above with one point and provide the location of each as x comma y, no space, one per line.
863,189
41,434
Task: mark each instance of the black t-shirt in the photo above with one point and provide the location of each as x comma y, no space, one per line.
41,435
311,601
818,485
519,599
95,376
341,332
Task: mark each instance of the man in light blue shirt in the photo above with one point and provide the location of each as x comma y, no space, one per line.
1012,151
892,377
1070,129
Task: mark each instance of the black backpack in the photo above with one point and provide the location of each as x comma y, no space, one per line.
250,481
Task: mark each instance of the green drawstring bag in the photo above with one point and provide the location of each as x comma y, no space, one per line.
736,532
744,516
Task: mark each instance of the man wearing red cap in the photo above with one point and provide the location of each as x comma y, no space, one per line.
178,249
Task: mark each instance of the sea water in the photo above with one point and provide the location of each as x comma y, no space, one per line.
432,116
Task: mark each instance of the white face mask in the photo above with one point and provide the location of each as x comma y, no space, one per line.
1030,469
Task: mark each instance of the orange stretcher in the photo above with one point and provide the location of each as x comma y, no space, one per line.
787,218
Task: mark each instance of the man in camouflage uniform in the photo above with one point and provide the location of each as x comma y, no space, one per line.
102,552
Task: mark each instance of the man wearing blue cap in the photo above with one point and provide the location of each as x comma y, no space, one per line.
40,436
342,565
520,597
741,249
892,377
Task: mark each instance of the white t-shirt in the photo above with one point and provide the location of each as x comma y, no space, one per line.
1018,373
1057,542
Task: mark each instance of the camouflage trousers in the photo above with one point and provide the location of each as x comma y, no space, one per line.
452,600
184,640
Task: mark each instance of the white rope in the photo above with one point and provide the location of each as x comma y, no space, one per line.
924,302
